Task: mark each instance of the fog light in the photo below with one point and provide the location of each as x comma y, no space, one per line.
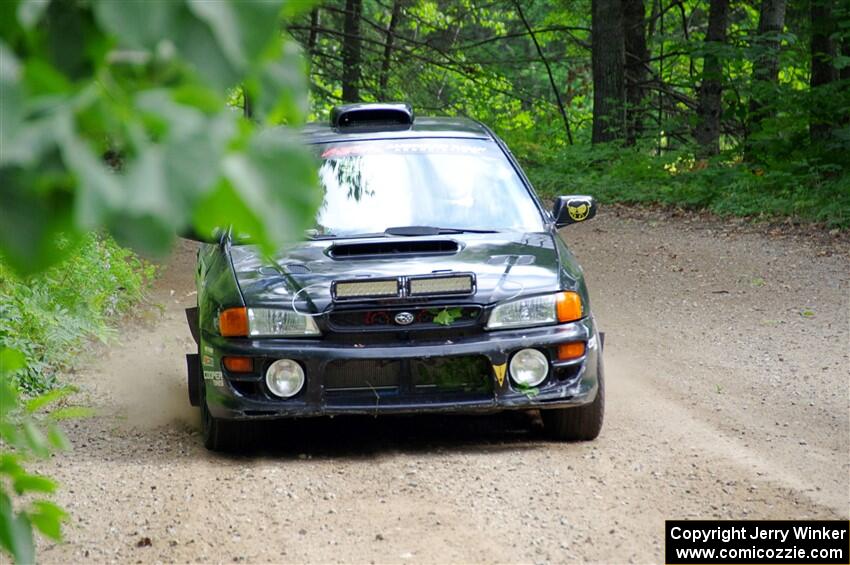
285,378
529,367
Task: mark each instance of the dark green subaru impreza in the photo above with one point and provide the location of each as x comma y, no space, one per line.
434,281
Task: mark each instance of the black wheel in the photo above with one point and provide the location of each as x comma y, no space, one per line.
582,423
222,435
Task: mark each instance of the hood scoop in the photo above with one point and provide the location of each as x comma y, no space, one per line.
393,248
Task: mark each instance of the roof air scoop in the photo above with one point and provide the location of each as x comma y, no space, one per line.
372,116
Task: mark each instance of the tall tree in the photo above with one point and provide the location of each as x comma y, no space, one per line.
555,90
823,49
845,52
388,47
607,58
766,60
315,22
636,55
709,103
351,51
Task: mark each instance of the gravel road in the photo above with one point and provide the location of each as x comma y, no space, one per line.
727,375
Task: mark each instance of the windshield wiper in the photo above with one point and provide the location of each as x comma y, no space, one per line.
431,230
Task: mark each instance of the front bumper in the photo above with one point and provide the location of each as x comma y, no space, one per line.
569,383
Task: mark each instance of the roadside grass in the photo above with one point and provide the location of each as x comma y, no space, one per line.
51,317
801,188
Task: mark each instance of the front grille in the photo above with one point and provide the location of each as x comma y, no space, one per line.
362,374
423,318
469,373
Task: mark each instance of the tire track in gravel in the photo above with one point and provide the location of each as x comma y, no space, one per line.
724,401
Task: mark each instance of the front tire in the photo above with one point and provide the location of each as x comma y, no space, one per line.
222,435
582,423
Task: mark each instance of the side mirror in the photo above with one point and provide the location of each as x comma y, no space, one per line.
573,209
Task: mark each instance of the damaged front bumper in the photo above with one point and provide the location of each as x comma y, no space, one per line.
245,396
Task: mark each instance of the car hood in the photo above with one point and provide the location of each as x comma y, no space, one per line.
505,265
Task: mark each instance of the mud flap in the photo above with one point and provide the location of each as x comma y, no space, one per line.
601,341
193,370
194,325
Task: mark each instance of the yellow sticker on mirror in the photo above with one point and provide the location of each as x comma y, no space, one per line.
578,213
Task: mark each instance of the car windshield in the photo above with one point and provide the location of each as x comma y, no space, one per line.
454,184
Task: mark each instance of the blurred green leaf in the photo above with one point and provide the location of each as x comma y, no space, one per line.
31,11
34,483
57,438
98,190
36,212
15,532
9,464
38,402
275,177
70,413
48,518
140,23
11,99
10,361
34,438
281,92
242,29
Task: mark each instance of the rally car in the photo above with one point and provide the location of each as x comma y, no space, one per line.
434,280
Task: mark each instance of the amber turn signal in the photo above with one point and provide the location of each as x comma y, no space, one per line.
568,351
569,307
239,364
233,322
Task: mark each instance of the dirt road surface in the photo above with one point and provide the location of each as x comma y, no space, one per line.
727,365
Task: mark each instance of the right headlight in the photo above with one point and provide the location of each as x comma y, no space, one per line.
541,310
270,322
265,322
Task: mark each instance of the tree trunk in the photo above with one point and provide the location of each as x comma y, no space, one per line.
845,51
634,39
766,62
823,71
388,47
545,61
709,105
315,23
351,51
608,60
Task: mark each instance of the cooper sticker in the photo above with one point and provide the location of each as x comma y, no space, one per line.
214,376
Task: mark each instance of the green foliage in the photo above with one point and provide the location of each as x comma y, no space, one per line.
24,434
145,85
115,118
446,316
49,317
806,188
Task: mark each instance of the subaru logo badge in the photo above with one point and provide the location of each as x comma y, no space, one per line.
404,318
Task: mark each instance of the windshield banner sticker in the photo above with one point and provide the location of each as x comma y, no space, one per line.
402,147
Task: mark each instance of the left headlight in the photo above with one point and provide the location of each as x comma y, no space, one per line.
267,322
537,311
